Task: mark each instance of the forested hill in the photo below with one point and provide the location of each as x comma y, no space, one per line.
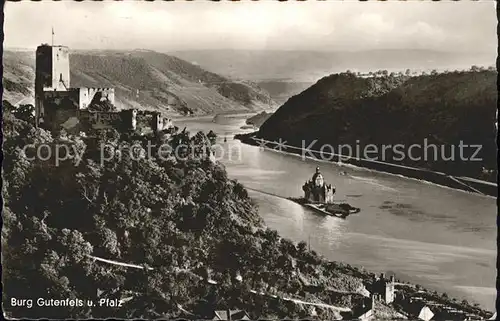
178,216
142,79
166,233
443,108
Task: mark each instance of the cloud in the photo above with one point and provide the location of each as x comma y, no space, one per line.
310,25
371,23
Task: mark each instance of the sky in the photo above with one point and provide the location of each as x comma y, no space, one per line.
463,26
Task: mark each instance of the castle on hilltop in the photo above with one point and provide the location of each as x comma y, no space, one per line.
317,191
59,106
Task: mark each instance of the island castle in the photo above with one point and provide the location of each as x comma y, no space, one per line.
59,106
316,191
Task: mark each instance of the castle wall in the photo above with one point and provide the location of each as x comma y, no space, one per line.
123,120
148,121
87,94
322,194
49,105
75,121
59,96
145,122
160,123
65,119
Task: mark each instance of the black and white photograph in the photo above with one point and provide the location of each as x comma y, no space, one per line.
250,160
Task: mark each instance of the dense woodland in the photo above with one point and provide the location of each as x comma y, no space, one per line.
177,214
396,108
180,215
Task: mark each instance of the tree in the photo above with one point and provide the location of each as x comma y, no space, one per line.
212,137
302,247
26,113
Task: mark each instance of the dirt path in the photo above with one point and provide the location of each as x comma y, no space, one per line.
297,301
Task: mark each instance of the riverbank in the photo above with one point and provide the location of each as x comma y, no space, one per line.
461,183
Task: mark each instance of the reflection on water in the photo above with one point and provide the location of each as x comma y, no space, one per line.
434,236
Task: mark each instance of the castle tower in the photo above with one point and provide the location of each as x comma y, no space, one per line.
384,288
315,190
157,122
51,74
52,68
329,191
389,290
372,300
134,119
318,178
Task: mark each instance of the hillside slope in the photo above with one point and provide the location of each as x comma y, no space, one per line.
144,79
443,109
18,77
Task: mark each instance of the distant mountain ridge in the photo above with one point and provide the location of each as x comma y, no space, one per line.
282,90
143,79
309,66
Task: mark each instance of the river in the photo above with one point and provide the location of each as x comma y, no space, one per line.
440,238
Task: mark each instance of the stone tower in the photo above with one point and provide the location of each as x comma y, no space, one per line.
389,290
384,287
51,74
157,124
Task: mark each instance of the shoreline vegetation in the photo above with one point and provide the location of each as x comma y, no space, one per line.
166,215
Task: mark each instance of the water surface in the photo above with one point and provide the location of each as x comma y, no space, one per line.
435,236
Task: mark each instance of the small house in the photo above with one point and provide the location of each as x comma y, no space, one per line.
230,315
425,313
